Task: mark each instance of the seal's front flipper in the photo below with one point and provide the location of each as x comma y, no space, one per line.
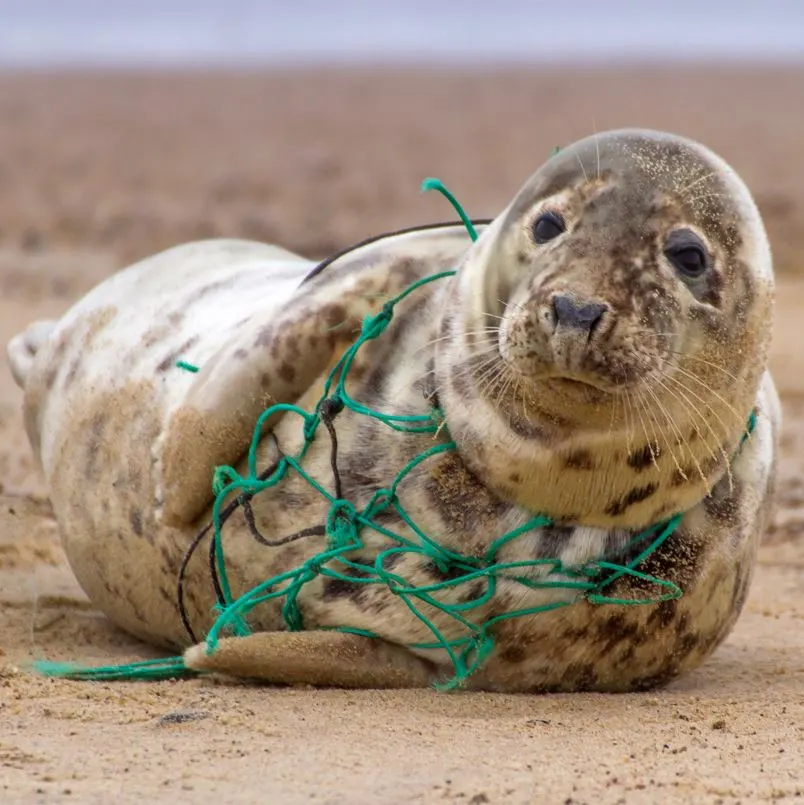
278,356
324,659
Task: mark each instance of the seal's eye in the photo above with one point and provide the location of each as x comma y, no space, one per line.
547,226
686,251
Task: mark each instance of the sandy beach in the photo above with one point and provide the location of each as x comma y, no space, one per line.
99,170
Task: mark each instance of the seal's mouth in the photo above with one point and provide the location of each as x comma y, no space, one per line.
576,386
581,366
571,382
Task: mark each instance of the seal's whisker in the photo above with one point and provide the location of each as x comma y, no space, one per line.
528,394
505,386
700,179
654,445
501,381
479,365
521,389
597,149
488,378
683,390
580,162
485,384
484,331
481,357
480,332
479,370
615,404
624,411
688,356
707,363
736,414
682,440
706,197
629,431
505,383
491,387
692,408
640,404
669,419
514,305
686,390
489,370
427,344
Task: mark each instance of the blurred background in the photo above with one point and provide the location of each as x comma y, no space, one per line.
189,32
127,126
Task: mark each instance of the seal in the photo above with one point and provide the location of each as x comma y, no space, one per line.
596,358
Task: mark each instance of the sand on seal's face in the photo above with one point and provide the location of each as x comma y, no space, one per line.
731,731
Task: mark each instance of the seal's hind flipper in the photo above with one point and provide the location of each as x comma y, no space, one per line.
323,659
22,349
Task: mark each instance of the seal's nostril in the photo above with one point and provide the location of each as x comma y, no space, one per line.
581,316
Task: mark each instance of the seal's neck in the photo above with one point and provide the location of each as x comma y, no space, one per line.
605,476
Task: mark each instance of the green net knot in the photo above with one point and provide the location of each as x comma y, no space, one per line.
380,501
312,568
222,477
231,622
374,326
342,529
441,561
291,611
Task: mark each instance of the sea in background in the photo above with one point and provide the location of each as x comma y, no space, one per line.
158,33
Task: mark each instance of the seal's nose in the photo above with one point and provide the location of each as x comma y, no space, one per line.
571,313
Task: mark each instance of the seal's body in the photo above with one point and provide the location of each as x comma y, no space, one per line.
596,357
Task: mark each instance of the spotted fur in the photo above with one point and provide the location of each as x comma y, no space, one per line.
606,430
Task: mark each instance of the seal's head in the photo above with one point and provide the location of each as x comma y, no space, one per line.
606,335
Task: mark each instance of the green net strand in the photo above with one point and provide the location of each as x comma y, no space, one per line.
373,327
345,523
154,670
436,184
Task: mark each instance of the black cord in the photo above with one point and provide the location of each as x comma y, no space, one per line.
328,410
248,513
188,554
193,547
374,238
